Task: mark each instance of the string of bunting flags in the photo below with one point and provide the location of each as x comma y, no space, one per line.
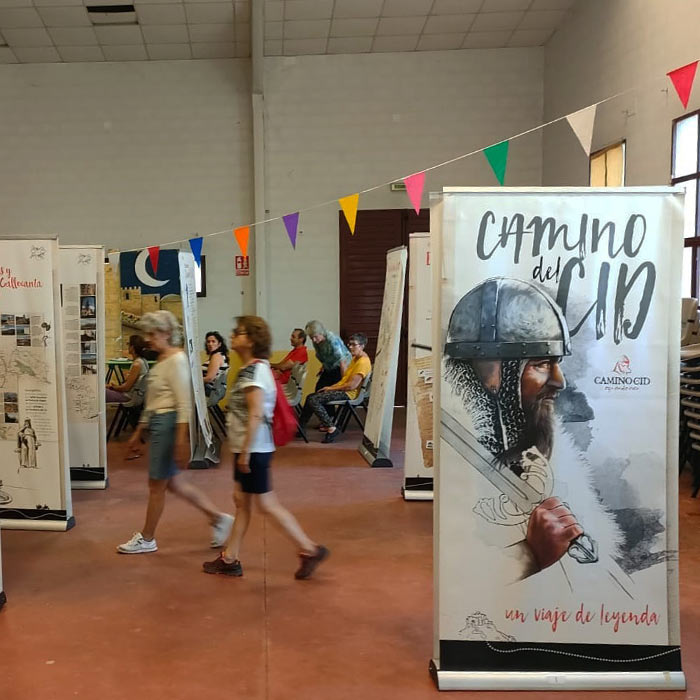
581,123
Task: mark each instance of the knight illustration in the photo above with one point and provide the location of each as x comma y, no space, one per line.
502,359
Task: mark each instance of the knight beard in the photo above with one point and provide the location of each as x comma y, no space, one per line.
511,407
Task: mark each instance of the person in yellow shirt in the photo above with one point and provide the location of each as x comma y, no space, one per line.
347,388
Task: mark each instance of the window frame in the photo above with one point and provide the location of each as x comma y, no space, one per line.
601,151
694,241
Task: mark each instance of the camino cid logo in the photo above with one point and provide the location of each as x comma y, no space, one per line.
622,378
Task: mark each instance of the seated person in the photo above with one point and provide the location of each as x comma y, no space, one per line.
132,391
283,369
347,388
215,368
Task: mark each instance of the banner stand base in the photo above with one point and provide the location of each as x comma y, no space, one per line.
556,680
3,599
89,485
372,455
413,495
38,524
417,488
204,457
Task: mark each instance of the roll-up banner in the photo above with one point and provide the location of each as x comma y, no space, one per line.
556,340
3,597
82,298
34,478
418,462
376,440
201,434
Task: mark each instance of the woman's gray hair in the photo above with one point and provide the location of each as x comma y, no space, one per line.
165,322
316,328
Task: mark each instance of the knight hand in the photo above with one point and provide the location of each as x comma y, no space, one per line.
551,529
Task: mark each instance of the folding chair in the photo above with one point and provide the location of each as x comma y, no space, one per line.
294,390
125,415
129,413
347,407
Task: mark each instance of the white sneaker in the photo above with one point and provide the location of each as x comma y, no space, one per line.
221,531
137,545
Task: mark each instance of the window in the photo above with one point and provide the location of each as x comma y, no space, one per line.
607,167
200,277
685,170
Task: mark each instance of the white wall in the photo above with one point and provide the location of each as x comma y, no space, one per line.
605,47
142,153
338,124
129,155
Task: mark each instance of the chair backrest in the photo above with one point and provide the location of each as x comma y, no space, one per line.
294,388
689,321
364,390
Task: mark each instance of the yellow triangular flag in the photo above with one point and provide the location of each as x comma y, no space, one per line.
349,206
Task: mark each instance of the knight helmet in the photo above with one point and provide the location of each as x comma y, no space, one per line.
507,319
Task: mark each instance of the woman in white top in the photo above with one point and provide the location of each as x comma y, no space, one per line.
167,415
250,412
131,391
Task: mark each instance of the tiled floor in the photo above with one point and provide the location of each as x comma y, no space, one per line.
83,622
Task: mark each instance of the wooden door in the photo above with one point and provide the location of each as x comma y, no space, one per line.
362,273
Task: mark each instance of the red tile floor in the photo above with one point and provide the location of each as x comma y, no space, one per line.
84,622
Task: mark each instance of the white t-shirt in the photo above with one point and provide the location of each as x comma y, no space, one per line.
257,375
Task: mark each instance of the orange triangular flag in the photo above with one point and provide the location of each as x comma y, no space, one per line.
682,79
242,234
349,206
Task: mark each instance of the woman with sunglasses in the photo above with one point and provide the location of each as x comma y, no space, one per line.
250,411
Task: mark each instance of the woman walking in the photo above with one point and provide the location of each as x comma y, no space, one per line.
167,415
251,406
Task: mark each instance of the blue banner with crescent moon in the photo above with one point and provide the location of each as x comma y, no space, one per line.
136,271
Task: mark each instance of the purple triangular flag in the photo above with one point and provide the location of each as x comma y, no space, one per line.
196,245
291,222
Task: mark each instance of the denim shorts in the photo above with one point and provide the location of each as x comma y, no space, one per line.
162,453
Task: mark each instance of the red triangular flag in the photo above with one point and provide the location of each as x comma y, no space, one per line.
682,79
153,253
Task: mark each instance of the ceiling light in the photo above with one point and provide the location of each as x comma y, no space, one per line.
112,14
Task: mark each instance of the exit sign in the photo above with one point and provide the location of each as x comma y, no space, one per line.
242,266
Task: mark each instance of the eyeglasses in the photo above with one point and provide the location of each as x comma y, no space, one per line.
238,331
353,345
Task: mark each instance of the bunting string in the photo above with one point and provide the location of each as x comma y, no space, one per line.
499,149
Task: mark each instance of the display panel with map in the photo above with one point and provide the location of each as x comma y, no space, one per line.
34,490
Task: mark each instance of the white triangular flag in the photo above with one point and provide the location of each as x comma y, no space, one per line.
582,124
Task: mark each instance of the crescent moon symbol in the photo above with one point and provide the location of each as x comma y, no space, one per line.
143,276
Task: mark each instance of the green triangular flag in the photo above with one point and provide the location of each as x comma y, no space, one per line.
497,156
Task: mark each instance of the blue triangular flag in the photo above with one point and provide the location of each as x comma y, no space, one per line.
196,245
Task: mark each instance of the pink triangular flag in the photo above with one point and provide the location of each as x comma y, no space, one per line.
153,253
682,79
582,124
291,222
414,188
